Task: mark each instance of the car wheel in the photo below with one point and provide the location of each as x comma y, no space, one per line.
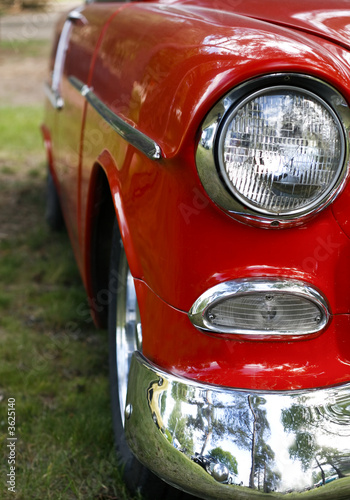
54,216
125,336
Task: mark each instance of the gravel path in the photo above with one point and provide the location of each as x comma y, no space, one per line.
33,25
30,26
23,76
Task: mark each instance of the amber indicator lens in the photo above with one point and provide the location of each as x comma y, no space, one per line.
281,151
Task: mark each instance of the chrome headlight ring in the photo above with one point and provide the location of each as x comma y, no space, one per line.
274,151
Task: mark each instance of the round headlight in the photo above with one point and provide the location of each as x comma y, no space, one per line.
274,151
281,151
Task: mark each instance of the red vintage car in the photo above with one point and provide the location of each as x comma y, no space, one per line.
199,153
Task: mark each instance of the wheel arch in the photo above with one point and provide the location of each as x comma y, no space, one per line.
47,139
104,205
46,135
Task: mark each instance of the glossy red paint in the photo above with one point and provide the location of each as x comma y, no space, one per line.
172,183
68,140
318,17
276,365
161,67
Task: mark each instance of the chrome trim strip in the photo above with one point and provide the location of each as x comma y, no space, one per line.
136,138
198,313
208,163
52,91
54,97
75,16
270,443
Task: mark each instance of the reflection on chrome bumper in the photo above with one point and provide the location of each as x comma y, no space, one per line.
201,438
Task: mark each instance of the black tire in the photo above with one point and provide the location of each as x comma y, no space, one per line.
138,478
53,215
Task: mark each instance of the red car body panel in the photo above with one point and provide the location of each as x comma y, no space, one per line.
183,350
161,67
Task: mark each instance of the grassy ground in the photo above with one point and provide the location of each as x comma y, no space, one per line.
53,361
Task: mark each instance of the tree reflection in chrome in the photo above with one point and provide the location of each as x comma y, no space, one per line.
267,441
324,460
250,428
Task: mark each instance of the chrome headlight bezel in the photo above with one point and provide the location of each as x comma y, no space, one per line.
208,154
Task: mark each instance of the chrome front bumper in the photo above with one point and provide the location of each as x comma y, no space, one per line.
267,444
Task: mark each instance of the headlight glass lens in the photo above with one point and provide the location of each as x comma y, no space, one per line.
281,151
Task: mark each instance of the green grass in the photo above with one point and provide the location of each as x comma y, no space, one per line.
24,48
19,135
338,490
52,359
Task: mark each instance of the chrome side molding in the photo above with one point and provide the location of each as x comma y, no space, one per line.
133,136
52,90
54,97
76,17
221,443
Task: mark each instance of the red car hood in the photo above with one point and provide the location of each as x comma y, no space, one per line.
327,18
